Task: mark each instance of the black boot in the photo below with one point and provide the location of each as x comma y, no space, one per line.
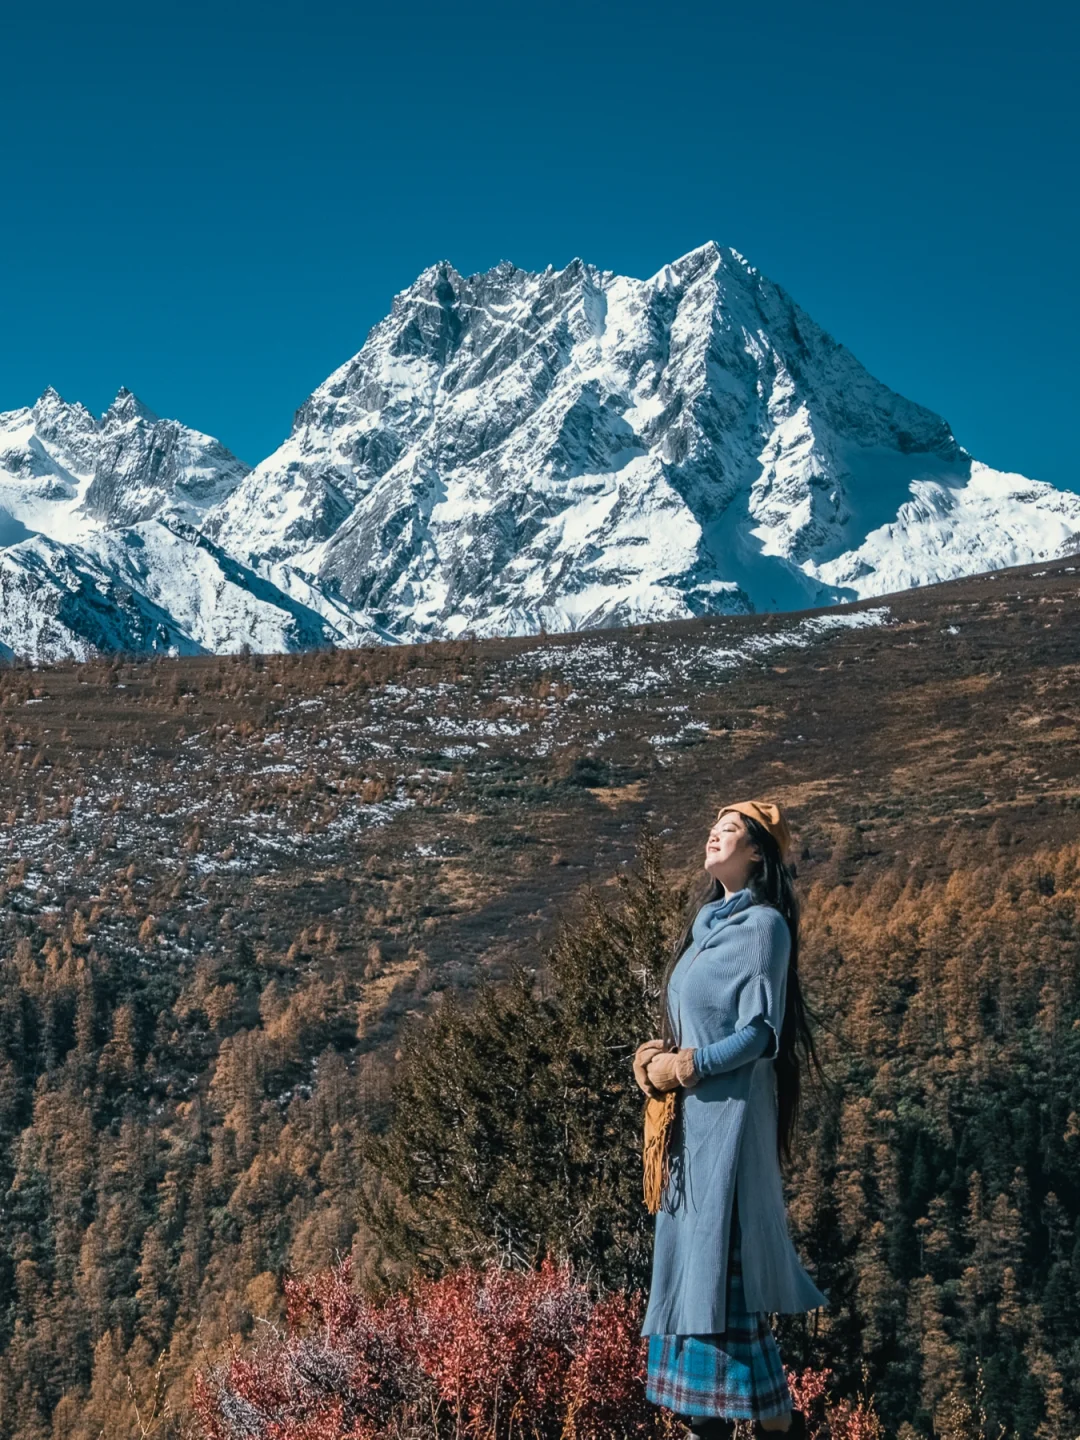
796,1430
709,1427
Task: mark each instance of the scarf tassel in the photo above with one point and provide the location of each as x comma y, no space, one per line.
656,1152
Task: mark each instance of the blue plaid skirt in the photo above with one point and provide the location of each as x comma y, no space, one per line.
738,1373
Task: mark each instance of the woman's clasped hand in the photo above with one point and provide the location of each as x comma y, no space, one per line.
643,1055
658,1070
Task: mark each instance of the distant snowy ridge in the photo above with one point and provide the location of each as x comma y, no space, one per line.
511,452
102,547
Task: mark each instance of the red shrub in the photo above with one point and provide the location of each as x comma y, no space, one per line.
606,1381
499,1344
493,1354
341,1372
839,1419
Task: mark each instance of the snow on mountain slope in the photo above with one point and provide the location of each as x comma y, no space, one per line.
510,451
56,603
99,551
47,457
216,601
576,448
151,587
948,530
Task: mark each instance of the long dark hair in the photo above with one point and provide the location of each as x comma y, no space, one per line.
770,883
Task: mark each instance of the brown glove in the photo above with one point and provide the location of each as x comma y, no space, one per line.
644,1053
669,1069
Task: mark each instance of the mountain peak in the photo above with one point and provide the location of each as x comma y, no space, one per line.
68,428
51,403
569,448
432,278
704,260
701,254
126,407
712,257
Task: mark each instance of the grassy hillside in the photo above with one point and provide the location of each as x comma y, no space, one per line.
227,882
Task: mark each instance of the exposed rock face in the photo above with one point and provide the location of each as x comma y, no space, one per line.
511,451
145,466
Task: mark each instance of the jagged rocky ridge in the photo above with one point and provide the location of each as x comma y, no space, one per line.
508,452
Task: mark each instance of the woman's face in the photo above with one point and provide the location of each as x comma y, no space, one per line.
730,854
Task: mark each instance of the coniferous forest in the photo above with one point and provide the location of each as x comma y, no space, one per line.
937,1188
343,956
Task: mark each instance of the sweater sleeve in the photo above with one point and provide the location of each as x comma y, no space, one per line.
734,1050
763,991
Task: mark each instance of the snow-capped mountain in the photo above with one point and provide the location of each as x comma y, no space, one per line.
61,471
101,546
512,450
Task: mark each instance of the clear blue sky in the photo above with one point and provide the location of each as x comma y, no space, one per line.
212,203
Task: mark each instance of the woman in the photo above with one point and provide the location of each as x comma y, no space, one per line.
732,1019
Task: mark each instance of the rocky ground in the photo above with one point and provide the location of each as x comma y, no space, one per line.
433,806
